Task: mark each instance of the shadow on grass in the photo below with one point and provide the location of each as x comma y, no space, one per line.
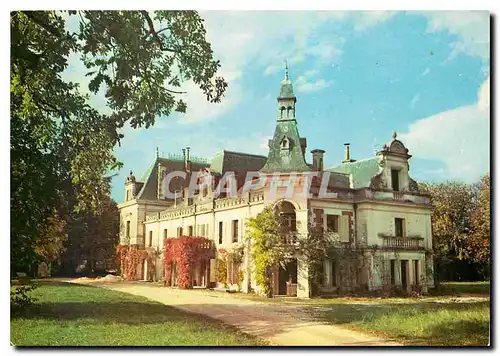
416,323
460,332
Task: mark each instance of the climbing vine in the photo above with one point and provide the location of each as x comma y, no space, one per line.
130,257
222,271
267,247
185,252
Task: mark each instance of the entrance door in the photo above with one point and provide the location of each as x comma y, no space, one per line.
282,279
286,275
404,267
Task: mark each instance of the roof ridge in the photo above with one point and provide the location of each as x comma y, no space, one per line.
221,152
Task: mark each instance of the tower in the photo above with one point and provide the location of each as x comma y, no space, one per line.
286,148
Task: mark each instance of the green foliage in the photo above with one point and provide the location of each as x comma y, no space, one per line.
461,227
222,271
478,247
62,146
93,238
20,298
241,277
267,247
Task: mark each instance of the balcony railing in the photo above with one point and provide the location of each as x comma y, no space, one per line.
408,197
403,243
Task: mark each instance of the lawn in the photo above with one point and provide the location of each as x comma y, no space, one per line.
458,288
424,322
75,315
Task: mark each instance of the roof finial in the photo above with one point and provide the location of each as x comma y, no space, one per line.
157,152
394,135
286,69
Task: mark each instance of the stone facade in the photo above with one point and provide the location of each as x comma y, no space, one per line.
372,206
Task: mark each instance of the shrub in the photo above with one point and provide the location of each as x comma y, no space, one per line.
20,298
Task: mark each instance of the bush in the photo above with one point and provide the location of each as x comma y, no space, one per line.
19,298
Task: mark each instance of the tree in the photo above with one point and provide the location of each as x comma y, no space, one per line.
266,246
92,240
453,204
478,247
61,146
460,227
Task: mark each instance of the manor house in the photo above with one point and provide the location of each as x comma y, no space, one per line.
372,205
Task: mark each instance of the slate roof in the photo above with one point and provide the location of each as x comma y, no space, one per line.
238,162
286,90
362,171
222,162
289,160
150,187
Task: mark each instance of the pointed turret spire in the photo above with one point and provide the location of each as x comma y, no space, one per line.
286,90
286,148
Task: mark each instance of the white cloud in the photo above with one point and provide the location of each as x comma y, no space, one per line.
304,85
367,19
199,109
264,39
426,71
483,98
415,100
471,27
458,137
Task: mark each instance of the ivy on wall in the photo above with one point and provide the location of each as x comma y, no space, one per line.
185,252
130,258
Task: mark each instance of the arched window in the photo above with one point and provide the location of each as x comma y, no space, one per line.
282,111
288,110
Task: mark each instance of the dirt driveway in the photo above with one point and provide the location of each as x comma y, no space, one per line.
279,324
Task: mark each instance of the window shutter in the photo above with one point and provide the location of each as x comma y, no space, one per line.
344,228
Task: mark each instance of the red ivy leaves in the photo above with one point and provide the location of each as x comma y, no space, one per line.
185,251
130,257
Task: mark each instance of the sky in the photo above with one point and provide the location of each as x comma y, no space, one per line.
358,76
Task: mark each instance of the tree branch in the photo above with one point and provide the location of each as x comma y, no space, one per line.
155,34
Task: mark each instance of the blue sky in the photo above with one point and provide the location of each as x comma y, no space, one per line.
358,76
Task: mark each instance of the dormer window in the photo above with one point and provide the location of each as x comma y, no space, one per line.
285,143
395,179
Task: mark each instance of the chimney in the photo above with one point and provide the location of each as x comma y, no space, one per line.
188,160
159,192
347,157
317,164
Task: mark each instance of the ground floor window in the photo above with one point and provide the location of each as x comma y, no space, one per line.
416,265
393,272
330,273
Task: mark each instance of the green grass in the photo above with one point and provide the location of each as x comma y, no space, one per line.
76,315
457,288
425,322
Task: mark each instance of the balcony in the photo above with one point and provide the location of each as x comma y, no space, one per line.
402,243
400,196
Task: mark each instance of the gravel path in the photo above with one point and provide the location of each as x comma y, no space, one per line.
283,325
